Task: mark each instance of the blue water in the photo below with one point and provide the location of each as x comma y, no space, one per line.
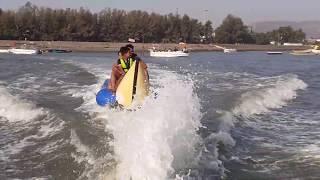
246,115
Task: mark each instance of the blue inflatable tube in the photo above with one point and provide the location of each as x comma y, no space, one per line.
105,97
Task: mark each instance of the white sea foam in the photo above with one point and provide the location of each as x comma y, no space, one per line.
94,166
276,96
48,127
312,151
31,84
88,92
13,108
161,136
262,95
153,141
84,153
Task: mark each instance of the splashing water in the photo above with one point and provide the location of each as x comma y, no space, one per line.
14,109
276,96
150,143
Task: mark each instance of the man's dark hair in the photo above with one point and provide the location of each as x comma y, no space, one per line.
124,50
130,46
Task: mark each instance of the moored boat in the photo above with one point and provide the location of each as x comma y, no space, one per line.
4,51
316,50
274,53
301,53
180,51
59,51
226,50
155,53
24,51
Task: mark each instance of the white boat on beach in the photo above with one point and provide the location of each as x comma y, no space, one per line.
179,51
4,51
274,53
24,51
316,50
155,53
302,52
226,50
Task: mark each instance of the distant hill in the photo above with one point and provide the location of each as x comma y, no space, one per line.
311,28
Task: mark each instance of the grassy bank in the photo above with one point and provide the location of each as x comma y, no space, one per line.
111,46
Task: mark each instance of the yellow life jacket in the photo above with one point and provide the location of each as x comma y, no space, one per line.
125,65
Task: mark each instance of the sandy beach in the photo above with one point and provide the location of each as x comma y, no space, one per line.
113,46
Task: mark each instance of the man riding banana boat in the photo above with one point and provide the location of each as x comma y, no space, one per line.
129,81
126,59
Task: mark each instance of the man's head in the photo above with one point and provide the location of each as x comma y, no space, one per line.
125,52
131,47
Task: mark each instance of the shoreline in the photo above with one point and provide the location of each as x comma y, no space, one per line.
141,47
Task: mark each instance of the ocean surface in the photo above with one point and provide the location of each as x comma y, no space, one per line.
246,115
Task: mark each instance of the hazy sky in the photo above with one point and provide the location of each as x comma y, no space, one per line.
249,10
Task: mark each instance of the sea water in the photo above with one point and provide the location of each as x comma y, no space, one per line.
246,115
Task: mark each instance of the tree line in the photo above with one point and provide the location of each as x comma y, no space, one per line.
233,30
282,35
113,25
39,23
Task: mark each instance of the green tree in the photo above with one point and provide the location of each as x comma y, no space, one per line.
208,31
40,23
233,31
262,38
287,34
